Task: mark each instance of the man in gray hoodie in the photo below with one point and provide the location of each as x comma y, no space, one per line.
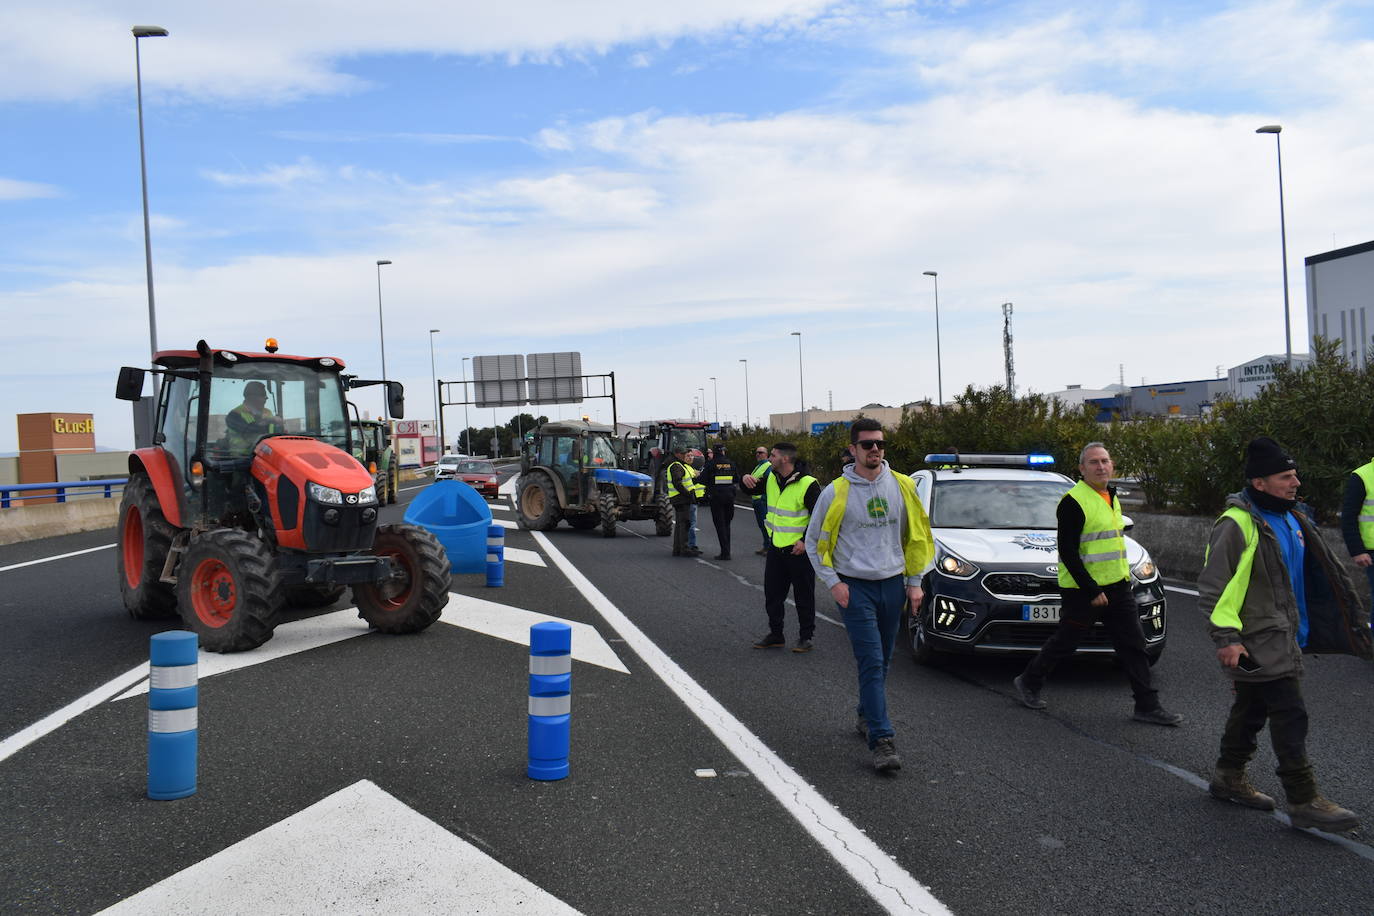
869,541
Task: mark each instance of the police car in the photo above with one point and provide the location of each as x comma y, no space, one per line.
994,589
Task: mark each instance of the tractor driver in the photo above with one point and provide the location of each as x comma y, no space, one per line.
250,421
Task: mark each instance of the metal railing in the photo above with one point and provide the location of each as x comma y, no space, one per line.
18,492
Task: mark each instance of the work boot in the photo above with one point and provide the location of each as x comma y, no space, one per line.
1029,698
722,556
885,756
692,552
1323,815
762,550
1157,716
803,645
1231,785
770,641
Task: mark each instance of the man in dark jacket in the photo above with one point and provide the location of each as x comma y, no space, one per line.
719,475
683,493
1273,590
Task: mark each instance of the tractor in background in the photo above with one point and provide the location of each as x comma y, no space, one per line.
663,436
371,443
570,470
250,499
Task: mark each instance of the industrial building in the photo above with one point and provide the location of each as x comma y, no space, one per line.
1340,295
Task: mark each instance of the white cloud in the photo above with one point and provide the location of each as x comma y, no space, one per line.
13,189
273,176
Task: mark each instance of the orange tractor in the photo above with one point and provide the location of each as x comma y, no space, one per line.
250,500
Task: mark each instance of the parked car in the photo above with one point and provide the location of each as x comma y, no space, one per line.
478,473
994,588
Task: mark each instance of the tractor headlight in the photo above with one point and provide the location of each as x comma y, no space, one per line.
1145,570
326,495
367,496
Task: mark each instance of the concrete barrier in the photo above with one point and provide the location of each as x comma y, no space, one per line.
27,523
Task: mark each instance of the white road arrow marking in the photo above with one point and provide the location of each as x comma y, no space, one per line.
513,625
521,555
358,851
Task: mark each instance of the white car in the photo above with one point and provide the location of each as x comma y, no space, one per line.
447,466
994,588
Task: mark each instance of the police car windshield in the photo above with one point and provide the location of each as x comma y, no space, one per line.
996,503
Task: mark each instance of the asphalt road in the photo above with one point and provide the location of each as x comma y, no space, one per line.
998,809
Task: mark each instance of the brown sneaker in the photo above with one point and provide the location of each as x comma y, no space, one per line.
1231,785
1322,815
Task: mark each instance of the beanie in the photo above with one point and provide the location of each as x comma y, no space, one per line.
1264,456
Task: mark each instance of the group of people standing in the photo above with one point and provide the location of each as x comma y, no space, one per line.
1270,585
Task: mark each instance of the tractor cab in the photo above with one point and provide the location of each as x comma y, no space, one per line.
571,470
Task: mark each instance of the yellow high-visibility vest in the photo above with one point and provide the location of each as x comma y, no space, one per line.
1102,545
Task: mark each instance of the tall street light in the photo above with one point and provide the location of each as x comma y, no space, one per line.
701,402
1276,129
146,31
467,426
801,383
715,393
381,331
434,383
939,374
746,391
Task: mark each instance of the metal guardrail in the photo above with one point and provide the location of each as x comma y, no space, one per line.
56,489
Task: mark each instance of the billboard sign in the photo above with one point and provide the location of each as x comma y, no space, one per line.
499,381
555,378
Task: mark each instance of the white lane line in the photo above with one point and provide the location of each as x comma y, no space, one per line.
885,881
1181,591
61,556
504,523
51,723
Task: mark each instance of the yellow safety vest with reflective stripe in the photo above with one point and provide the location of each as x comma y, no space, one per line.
1102,545
787,513
689,481
918,547
759,472
1227,610
1366,475
239,443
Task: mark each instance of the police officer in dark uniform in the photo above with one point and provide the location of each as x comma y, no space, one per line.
719,474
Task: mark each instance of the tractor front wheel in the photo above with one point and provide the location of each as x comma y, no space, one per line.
610,513
145,537
663,521
229,590
416,594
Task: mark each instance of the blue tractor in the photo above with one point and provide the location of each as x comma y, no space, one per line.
570,470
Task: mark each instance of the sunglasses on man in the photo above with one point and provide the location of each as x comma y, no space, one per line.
869,444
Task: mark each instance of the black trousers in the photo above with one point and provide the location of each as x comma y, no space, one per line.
784,570
722,514
1121,618
1279,703
682,525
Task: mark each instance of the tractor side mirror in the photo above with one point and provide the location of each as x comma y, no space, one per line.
396,399
130,384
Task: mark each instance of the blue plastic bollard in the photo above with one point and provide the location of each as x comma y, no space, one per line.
173,699
496,556
550,699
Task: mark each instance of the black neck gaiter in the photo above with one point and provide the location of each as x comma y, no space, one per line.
1270,503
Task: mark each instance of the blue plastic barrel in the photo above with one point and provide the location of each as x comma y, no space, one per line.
458,516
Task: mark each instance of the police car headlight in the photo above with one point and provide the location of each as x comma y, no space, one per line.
368,496
955,566
1145,570
326,495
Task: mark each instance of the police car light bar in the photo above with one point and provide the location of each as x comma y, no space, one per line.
987,461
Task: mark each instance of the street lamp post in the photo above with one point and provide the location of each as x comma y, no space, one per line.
1276,129
146,31
467,426
381,331
939,373
715,394
801,383
746,391
434,382
701,403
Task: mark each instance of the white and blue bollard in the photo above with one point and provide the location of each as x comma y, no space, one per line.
550,699
173,698
496,556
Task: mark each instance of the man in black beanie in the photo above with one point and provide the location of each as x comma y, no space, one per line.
1259,587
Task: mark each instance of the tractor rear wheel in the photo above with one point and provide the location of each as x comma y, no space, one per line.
537,502
663,521
145,537
610,512
392,486
229,590
415,596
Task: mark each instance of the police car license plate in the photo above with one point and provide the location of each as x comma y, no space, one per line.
1040,613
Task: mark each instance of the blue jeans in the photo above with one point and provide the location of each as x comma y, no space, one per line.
692,525
760,514
872,620
1369,572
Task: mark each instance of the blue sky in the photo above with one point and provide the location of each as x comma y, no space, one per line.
670,188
